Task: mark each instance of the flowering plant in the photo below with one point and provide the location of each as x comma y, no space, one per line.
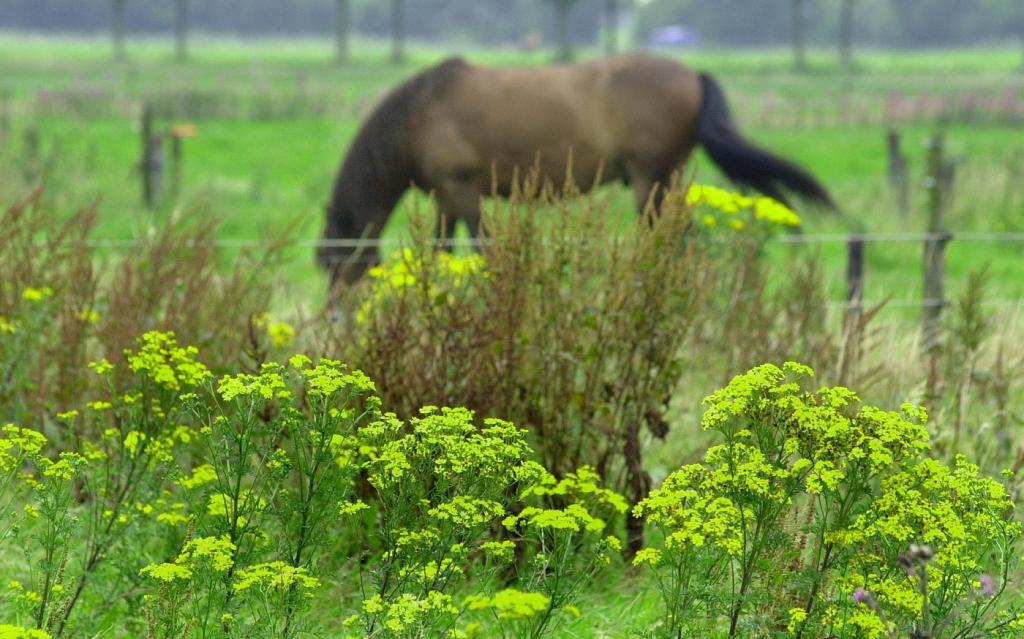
835,491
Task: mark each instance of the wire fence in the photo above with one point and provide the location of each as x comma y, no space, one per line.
876,238
356,244
908,302
391,242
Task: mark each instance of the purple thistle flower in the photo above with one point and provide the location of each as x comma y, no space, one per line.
988,586
860,595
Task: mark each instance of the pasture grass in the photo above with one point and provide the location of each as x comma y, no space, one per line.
270,176
269,179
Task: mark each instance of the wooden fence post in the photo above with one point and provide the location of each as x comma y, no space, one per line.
898,177
852,325
33,146
176,165
939,183
151,164
5,112
31,163
178,133
854,276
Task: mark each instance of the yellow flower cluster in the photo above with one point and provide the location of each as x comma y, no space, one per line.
167,573
400,271
408,610
464,510
866,624
8,631
276,575
67,466
18,444
217,552
451,443
827,431
170,514
201,475
692,515
740,210
957,511
269,384
168,365
36,294
279,332
330,378
499,550
510,603
573,517
88,316
797,617
582,486
437,276
351,508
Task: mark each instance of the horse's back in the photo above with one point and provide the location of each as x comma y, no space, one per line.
603,112
654,104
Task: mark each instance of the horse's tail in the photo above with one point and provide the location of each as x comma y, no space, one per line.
745,163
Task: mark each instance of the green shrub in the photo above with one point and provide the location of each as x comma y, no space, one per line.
287,502
64,302
222,507
824,515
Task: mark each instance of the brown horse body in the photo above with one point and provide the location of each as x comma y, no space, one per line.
462,131
630,117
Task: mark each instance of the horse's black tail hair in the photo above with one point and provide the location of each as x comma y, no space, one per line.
744,163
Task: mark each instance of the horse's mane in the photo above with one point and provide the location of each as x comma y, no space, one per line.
378,167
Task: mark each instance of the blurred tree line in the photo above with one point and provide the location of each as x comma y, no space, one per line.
476,21
906,23
722,22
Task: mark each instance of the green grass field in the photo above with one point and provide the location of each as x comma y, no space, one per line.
280,115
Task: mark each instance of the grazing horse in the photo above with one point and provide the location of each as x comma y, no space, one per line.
462,131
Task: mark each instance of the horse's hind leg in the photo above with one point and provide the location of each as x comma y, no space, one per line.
649,190
446,223
460,200
650,172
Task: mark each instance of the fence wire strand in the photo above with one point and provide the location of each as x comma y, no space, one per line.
817,238
796,239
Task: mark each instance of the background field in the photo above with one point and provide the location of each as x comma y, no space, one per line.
275,117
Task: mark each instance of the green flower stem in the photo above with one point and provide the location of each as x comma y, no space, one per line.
98,544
